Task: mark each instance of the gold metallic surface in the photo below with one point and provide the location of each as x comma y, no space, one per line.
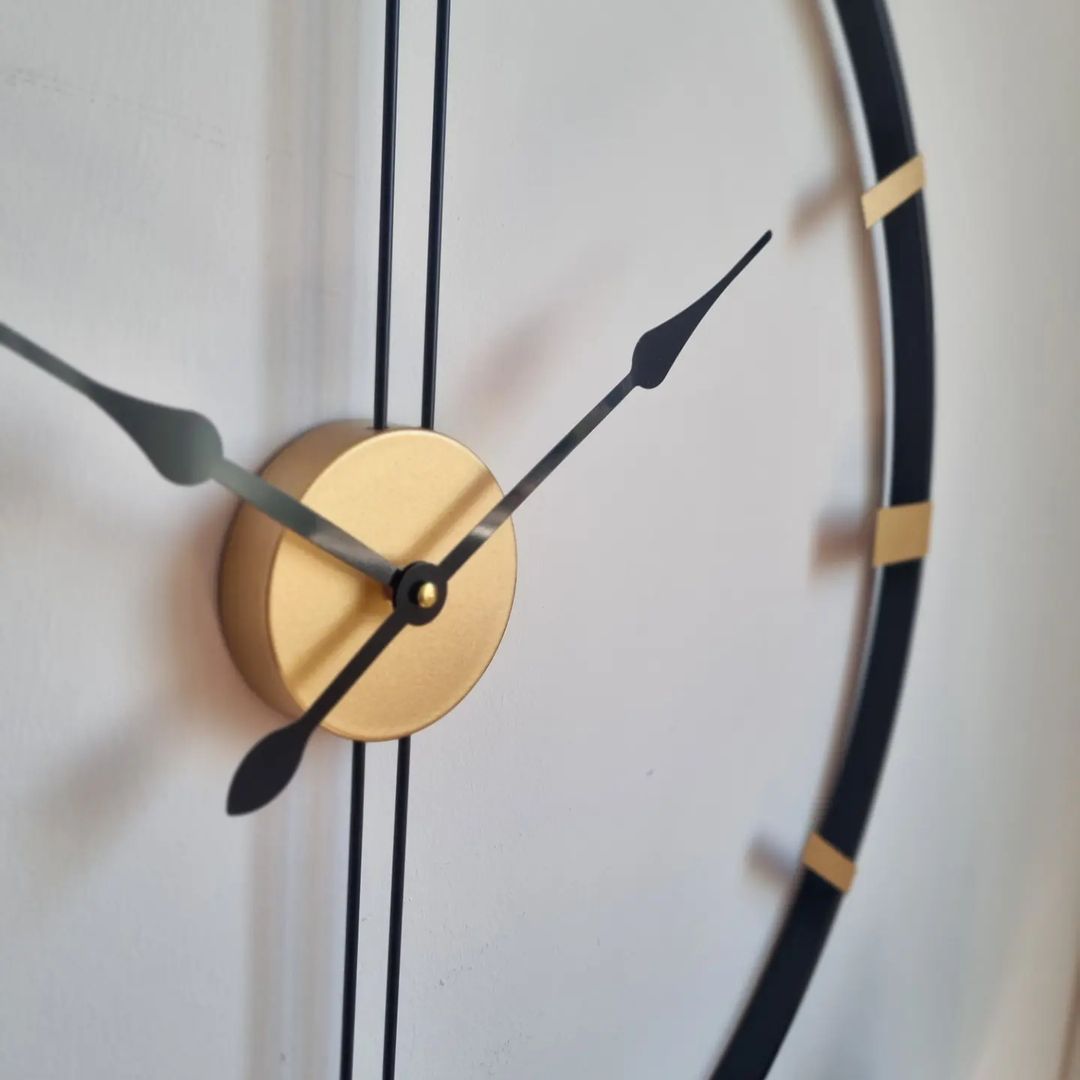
293,616
821,858
895,190
902,533
427,596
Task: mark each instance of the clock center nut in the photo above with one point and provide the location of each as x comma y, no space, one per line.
420,592
427,595
293,616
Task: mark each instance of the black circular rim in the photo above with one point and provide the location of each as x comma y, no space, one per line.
785,976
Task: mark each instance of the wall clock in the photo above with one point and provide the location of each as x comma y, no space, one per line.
367,580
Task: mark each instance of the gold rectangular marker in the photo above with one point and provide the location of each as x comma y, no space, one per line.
902,533
821,858
895,190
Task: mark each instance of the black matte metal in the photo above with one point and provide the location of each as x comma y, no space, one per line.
397,909
427,421
185,448
479,535
405,592
435,211
659,348
379,418
352,909
771,1008
270,764
386,215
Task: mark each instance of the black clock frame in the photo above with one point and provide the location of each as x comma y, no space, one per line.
771,1007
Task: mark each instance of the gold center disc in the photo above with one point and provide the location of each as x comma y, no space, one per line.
294,616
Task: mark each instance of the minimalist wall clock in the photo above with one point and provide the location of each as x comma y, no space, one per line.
368,577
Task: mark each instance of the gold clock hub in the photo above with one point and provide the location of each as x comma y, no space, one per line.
293,616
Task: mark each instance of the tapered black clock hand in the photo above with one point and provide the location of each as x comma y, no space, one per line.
655,353
186,448
270,764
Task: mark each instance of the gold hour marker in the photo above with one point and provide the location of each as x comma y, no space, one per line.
902,533
821,858
895,190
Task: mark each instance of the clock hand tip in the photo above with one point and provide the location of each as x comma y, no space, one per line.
233,806
658,348
266,769
244,796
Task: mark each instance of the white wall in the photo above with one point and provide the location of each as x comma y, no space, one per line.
188,209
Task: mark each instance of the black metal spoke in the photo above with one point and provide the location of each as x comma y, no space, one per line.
427,421
435,212
379,410
352,909
397,904
386,215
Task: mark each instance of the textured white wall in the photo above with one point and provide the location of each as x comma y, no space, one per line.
188,209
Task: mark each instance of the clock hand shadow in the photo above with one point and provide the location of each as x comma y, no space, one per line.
102,784
83,807
841,539
839,192
506,375
772,861
524,355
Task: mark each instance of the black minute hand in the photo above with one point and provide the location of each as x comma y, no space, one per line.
186,448
654,355
271,762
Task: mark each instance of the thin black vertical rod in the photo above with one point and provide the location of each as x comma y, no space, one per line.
427,420
352,910
379,409
386,215
397,902
435,211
